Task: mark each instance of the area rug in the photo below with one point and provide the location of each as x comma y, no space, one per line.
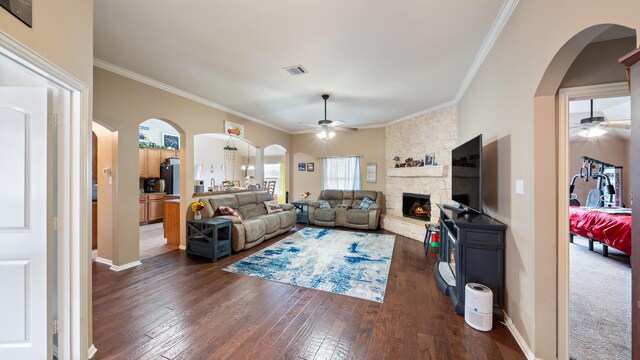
342,262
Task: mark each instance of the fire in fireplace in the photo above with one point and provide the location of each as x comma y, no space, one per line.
417,206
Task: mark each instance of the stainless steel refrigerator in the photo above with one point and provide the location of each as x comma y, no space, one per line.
170,173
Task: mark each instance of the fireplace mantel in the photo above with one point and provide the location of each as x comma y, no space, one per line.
419,172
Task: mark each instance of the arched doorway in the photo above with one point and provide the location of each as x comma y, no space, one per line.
159,182
275,171
546,117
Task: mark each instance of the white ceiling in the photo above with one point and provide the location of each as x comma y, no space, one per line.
613,109
380,60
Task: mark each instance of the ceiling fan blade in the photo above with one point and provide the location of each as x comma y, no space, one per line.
335,123
310,131
617,126
312,125
621,121
344,128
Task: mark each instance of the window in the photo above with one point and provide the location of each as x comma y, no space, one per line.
342,173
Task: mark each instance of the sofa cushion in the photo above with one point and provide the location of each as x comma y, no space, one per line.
271,222
359,195
272,206
246,198
252,210
287,219
262,196
332,195
223,200
325,214
254,229
357,216
324,204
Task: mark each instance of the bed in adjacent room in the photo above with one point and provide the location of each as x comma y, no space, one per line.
610,226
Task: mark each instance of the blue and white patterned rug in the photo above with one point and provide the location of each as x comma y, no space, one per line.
342,262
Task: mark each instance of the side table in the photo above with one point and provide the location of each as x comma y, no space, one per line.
302,211
209,237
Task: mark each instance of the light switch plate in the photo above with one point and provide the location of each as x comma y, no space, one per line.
519,186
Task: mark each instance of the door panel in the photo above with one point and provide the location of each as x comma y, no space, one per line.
23,224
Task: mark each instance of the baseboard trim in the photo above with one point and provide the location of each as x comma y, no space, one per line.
516,335
125,266
104,261
92,351
182,247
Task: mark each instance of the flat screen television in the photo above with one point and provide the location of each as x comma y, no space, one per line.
466,174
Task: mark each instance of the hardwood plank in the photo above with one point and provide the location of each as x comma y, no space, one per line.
174,307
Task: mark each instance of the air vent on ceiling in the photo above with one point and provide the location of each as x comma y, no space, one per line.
296,70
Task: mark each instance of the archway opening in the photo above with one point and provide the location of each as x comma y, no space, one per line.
275,171
159,182
586,61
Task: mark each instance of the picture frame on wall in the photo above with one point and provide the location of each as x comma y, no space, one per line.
302,166
171,141
372,169
231,128
310,167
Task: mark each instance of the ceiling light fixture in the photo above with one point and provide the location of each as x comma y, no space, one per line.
592,132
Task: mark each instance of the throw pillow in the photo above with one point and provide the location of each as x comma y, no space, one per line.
272,206
324,204
366,203
225,210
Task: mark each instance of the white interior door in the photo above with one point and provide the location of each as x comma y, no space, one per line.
23,223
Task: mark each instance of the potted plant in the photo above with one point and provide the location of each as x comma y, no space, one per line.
196,207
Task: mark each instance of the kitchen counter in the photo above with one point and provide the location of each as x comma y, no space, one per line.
153,193
234,191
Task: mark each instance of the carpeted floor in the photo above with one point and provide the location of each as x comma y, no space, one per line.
600,303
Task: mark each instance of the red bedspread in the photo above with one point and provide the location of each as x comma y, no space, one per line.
613,230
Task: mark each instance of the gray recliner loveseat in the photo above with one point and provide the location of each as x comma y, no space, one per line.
345,209
256,225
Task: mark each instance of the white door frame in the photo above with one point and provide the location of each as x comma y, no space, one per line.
564,96
74,255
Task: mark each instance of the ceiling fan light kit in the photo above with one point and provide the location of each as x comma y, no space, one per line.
592,132
327,128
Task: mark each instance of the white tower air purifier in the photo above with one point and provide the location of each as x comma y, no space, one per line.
478,303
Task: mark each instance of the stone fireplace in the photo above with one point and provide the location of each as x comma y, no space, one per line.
435,133
416,206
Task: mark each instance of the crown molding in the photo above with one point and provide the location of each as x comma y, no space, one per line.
168,88
422,112
498,24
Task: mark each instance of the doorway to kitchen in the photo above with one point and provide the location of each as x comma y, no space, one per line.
159,184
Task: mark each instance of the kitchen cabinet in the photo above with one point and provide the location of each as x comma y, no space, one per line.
151,208
149,160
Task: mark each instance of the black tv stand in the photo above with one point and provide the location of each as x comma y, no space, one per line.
471,250
455,208
461,211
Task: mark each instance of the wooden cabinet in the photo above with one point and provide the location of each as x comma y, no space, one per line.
172,221
142,209
142,162
151,208
155,208
149,160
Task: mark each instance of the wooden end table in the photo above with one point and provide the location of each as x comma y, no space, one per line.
209,237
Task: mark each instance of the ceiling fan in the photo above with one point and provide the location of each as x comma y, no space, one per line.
326,128
594,126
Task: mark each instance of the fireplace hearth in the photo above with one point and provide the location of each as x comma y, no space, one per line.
416,206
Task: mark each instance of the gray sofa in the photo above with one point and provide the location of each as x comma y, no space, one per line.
345,209
256,225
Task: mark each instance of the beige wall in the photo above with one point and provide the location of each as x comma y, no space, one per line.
123,104
499,103
368,143
611,151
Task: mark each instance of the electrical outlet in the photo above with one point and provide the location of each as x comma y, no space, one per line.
519,186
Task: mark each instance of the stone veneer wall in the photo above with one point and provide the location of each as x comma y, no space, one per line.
435,132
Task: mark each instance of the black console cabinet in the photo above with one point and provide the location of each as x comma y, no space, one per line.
471,250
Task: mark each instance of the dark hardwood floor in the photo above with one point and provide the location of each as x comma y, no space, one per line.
174,307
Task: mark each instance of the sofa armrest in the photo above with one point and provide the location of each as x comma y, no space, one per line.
286,207
342,206
315,204
234,219
374,207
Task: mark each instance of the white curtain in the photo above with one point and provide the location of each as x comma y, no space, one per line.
342,173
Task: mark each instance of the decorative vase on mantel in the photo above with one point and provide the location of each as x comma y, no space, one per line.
197,215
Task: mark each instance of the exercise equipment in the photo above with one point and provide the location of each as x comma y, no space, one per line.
595,170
